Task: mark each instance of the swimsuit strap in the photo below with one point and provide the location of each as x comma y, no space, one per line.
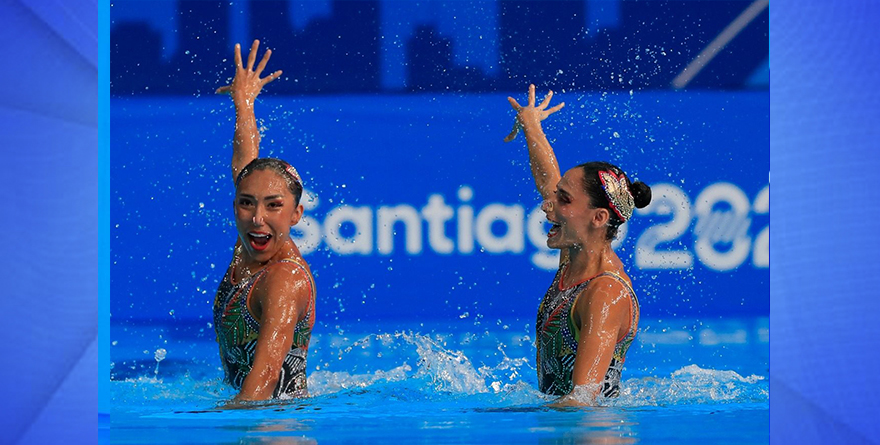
618,278
293,260
634,304
299,262
252,284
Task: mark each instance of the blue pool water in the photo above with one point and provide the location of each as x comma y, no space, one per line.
468,381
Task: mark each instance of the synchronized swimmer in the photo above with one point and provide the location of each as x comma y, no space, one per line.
589,316
264,310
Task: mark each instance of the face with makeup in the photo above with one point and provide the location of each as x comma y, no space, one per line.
265,210
574,218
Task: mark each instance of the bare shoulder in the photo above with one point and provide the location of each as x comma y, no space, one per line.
287,274
603,292
285,283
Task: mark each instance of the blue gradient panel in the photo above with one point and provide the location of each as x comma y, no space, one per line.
48,107
104,217
824,162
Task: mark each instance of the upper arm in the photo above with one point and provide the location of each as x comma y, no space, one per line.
240,159
283,295
547,183
601,311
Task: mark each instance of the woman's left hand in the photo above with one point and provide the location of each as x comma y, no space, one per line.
247,84
566,402
530,116
581,395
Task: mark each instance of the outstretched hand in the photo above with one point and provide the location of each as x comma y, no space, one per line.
530,114
247,84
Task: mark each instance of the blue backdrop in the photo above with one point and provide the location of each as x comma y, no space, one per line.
418,209
394,113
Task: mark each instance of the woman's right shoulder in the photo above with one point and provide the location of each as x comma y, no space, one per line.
289,271
289,282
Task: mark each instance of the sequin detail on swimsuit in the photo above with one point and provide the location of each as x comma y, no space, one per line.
237,333
557,338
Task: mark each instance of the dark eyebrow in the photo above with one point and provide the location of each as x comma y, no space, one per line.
268,198
562,191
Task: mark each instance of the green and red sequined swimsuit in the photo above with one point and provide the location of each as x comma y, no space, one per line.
237,332
557,338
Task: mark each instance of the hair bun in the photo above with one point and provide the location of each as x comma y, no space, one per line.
641,194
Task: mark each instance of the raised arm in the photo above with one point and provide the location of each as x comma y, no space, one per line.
282,297
545,169
245,87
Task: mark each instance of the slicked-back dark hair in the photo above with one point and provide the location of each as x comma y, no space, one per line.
593,188
278,166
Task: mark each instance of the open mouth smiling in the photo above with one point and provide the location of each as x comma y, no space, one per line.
554,229
259,240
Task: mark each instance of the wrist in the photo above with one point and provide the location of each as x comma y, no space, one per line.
529,120
243,104
244,100
532,127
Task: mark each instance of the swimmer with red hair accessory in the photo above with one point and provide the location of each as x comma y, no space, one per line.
589,316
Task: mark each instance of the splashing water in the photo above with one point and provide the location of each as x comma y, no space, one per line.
694,385
412,367
159,355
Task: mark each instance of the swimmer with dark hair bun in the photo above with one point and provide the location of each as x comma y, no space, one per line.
590,315
264,310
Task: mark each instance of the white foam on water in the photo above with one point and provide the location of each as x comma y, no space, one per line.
414,367
692,385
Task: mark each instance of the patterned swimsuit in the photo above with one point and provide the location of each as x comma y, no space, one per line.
557,338
237,332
